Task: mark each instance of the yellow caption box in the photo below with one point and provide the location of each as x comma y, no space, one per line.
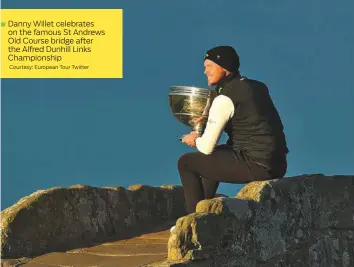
62,43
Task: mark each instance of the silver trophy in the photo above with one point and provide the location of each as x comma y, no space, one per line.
190,105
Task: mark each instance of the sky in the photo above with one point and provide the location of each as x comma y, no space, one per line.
108,132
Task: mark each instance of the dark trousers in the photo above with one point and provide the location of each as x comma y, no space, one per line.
201,174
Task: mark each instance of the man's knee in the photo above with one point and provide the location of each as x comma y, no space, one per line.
183,161
187,160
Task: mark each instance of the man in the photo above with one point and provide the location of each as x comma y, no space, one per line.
256,148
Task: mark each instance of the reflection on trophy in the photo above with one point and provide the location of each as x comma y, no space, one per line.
190,105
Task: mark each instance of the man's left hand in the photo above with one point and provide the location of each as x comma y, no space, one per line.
189,139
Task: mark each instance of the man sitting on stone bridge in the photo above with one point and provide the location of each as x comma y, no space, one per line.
256,149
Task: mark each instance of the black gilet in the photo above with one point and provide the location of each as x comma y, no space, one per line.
256,127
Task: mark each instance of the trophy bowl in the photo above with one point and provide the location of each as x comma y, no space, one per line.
190,105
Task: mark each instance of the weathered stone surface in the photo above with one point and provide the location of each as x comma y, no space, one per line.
89,260
296,222
317,199
300,221
136,251
14,262
59,219
186,242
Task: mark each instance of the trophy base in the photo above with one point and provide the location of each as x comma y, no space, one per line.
199,128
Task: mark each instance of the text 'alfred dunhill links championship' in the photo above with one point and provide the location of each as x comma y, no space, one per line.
62,43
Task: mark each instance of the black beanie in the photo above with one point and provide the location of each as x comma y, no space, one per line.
225,56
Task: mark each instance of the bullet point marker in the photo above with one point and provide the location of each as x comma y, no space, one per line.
3,24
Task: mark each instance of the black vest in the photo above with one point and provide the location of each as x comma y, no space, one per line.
256,127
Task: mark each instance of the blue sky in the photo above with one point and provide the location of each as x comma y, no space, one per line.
102,132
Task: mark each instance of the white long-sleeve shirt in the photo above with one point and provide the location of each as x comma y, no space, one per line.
221,110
